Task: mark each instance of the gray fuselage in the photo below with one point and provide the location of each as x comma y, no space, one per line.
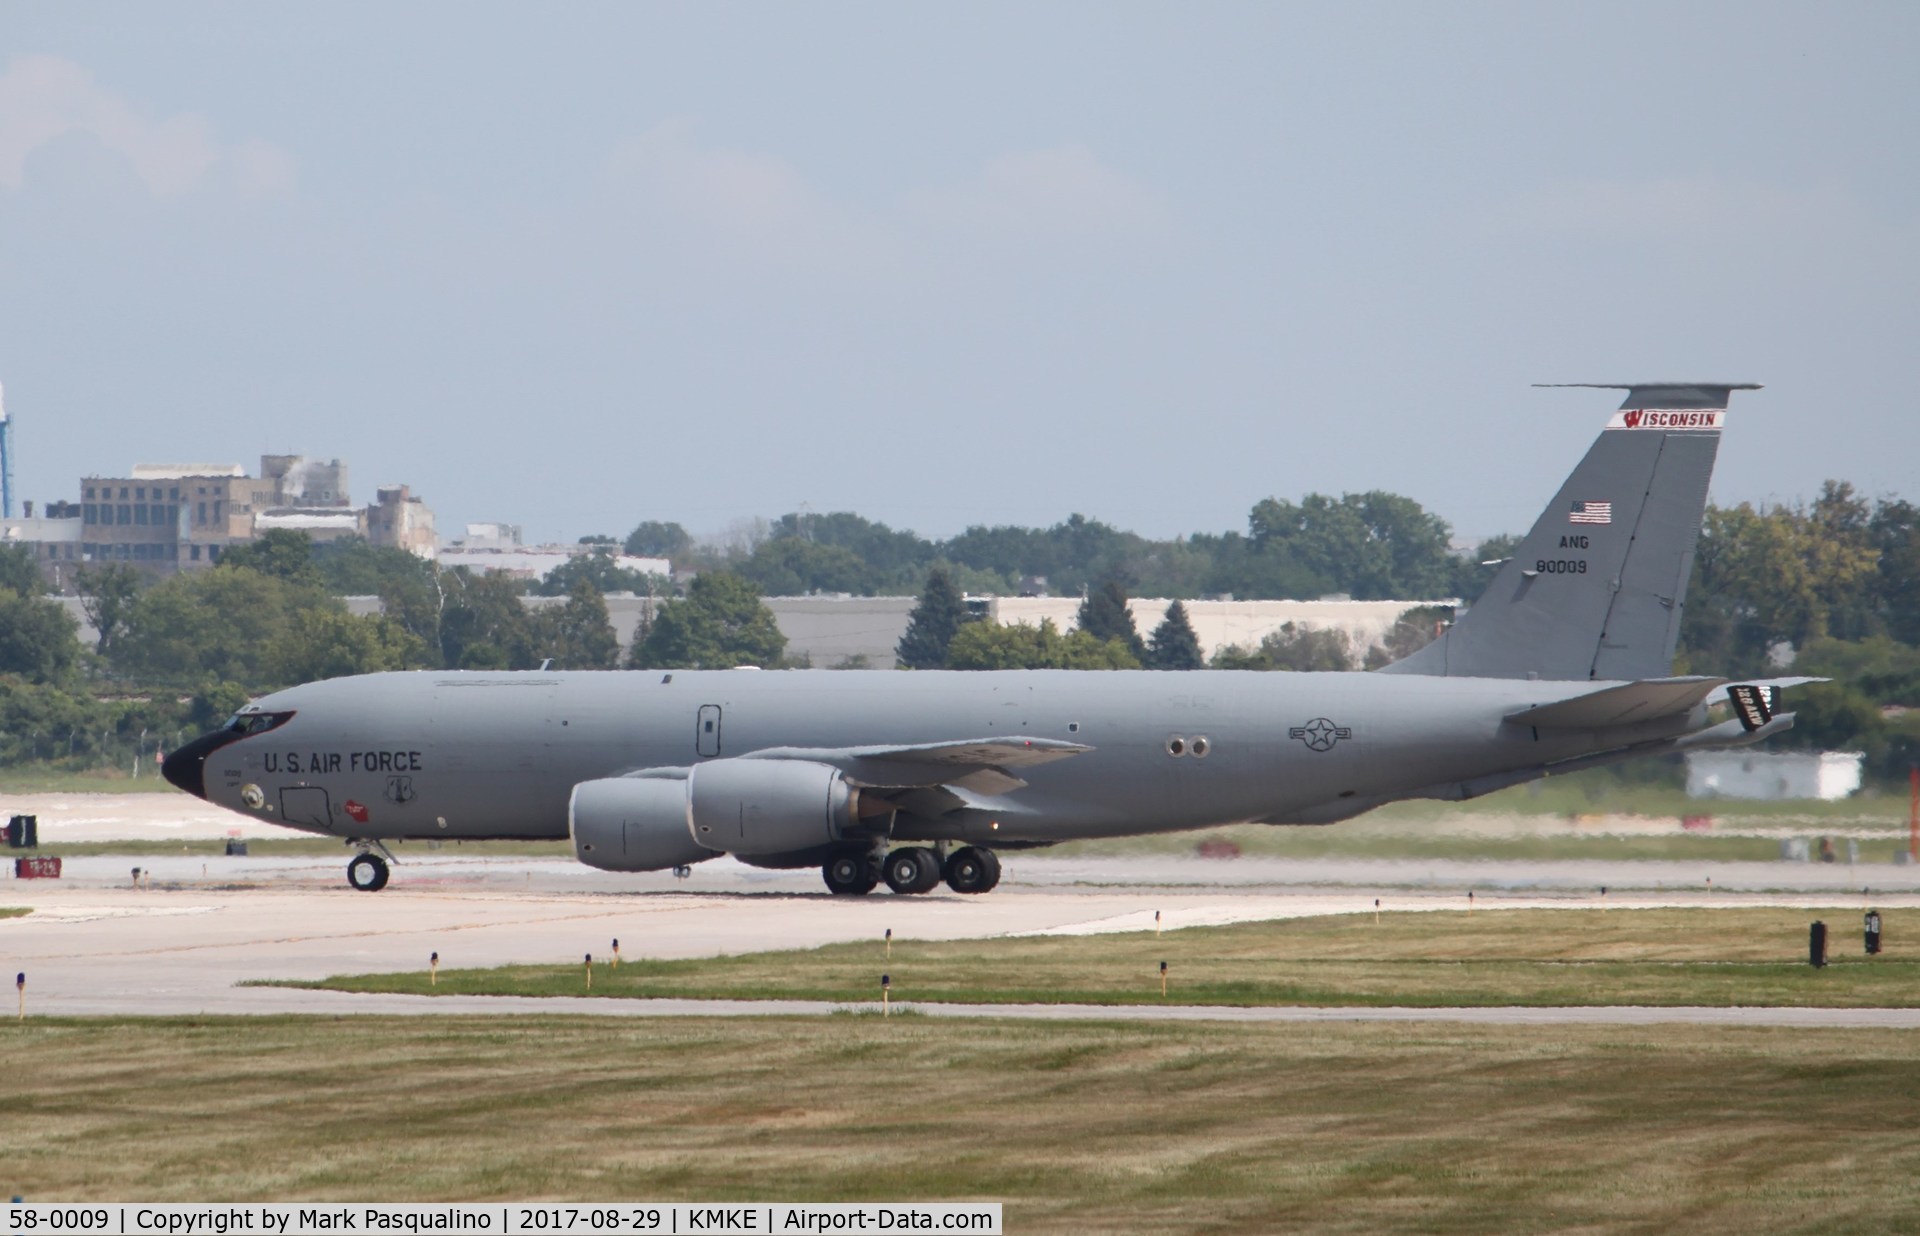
497,755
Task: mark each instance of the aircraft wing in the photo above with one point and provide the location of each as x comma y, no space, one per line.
977,764
1646,700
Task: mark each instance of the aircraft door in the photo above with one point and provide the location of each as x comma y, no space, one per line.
490,748
707,735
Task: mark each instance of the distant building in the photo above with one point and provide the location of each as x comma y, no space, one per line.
1220,624
496,549
319,525
835,630
53,538
302,482
489,536
1773,775
164,518
398,520
532,562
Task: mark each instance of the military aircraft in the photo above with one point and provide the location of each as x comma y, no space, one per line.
913,778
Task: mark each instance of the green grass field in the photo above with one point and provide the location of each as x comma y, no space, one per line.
1075,1127
41,779
15,911
1724,957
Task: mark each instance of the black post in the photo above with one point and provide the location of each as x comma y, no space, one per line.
1873,932
1817,944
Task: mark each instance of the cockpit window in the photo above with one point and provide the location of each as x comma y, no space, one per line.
249,723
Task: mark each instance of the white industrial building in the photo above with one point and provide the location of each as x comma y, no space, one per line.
835,630
533,562
1223,624
1773,775
496,548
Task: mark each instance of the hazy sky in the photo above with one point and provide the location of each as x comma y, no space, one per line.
578,265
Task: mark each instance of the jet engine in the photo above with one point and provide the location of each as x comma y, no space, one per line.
633,824
768,806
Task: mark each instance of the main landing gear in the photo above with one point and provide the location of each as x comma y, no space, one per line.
368,871
912,869
851,873
972,870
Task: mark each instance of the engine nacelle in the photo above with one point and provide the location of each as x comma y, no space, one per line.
633,824
768,806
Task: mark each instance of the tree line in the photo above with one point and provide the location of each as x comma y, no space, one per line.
1371,546
1829,588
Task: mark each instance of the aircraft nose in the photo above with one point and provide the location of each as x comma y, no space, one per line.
186,768
186,771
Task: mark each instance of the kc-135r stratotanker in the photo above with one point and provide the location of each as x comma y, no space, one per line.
911,778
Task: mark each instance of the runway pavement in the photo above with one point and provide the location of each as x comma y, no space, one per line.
95,945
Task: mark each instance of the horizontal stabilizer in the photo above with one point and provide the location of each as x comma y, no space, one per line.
1709,395
1622,705
1755,702
1728,734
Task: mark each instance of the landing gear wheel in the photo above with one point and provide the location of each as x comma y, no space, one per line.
993,871
911,869
972,870
368,873
850,874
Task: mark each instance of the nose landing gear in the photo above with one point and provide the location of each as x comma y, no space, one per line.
368,871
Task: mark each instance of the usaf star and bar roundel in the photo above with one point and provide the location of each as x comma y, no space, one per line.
1320,734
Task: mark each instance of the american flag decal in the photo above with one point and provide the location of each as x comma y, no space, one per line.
1591,513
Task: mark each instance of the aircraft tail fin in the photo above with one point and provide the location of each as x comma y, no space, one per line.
1596,589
